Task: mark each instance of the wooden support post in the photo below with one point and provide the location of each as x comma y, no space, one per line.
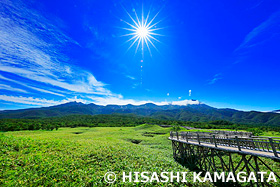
214,139
181,151
273,148
177,135
237,142
253,144
171,134
198,139
187,139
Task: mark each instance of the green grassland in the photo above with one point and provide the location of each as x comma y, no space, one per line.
271,134
81,156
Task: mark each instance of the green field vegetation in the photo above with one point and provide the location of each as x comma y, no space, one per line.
123,120
270,134
81,156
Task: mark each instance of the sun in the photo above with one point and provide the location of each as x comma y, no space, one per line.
142,31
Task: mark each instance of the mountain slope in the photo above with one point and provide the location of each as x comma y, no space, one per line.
202,113
80,108
199,112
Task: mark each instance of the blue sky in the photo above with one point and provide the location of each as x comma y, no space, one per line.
226,53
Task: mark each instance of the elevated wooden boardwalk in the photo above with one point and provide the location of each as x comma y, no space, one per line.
258,146
216,152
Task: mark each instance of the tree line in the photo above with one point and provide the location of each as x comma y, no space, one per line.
117,120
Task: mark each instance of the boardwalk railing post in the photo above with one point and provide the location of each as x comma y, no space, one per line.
253,144
177,135
171,134
237,142
273,148
214,139
198,139
228,141
187,137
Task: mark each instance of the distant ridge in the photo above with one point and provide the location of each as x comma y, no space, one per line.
276,111
194,112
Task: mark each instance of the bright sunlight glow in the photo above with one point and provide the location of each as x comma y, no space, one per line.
142,31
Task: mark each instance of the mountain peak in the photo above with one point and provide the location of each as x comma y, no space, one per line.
186,110
149,104
72,103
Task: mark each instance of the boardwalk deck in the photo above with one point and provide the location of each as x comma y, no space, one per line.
230,151
258,146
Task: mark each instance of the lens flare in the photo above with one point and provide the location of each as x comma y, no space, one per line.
143,32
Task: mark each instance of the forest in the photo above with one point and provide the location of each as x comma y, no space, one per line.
119,120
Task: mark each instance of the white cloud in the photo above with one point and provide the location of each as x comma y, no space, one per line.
7,87
120,101
46,91
30,47
186,102
38,101
30,87
97,100
28,100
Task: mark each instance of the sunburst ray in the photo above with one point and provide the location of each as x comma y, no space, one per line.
142,30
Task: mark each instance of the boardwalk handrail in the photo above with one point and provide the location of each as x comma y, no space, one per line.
259,144
224,133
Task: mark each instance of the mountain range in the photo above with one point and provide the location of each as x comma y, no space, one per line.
195,112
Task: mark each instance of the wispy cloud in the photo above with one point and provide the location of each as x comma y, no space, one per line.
31,87
261,33
31,47
215,78
28,100
9,88
37,101
256,5
130,77
97,100
33,62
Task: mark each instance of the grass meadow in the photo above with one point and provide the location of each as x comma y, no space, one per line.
81,156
